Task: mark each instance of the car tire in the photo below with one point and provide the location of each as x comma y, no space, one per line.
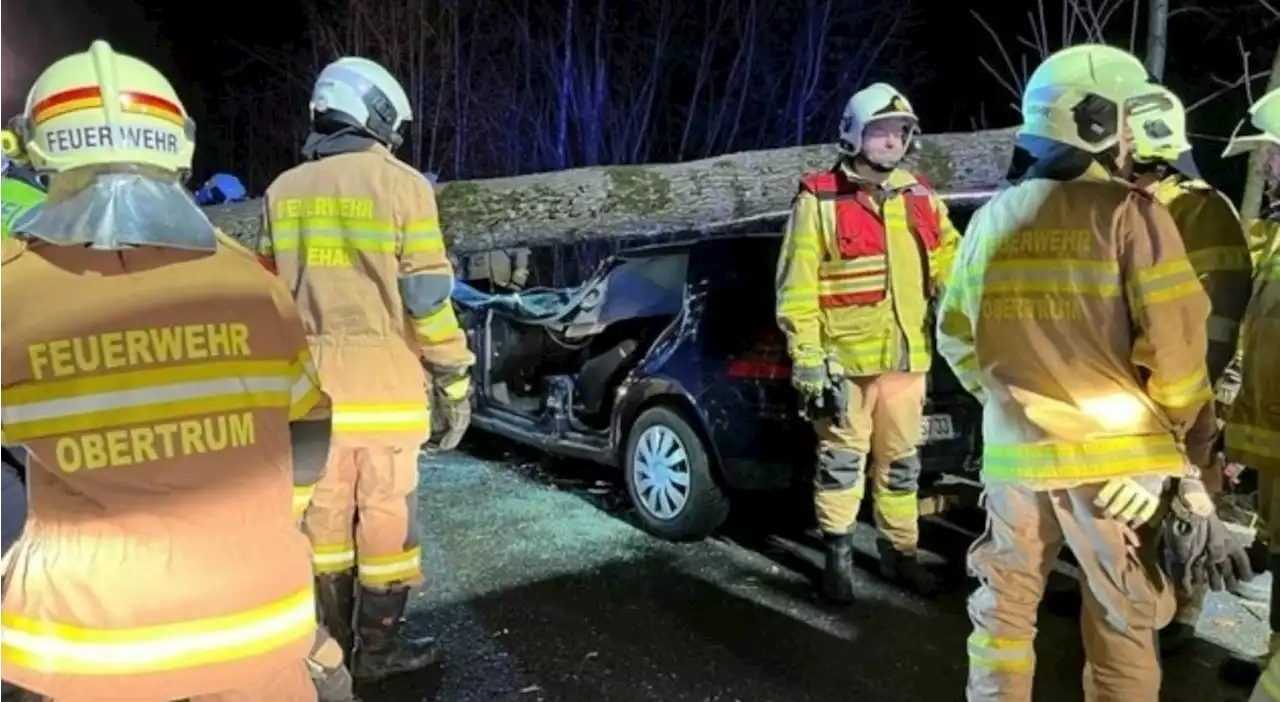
662,452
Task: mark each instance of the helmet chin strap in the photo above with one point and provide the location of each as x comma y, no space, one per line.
1109,158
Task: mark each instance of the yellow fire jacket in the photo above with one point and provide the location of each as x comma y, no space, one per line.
858,266
1219,253
1253,423
1264,234
356,236
1075,316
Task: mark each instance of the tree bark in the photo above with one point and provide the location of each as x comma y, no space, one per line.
1157,37
1255,183
657,199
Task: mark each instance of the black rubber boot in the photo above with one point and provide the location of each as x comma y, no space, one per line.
336,601
837,573
382,649
905,570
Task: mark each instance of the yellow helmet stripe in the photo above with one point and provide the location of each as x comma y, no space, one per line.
88,98
66,102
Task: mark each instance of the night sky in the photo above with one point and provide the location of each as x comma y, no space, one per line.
215,50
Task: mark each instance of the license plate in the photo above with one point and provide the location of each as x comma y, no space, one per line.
937,427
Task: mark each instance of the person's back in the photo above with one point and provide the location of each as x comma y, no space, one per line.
153,392
355,234
1074,315
339,226
1059,268
153,384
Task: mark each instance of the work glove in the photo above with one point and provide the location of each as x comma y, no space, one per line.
451,400
811,381
1133,501
1198,548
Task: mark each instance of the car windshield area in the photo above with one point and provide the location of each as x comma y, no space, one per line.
638,286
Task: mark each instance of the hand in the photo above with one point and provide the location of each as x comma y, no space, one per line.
811,381
1129,500
1232,473
451,397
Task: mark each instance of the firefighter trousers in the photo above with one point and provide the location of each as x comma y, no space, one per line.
1126,597
884,423
363,516
290,685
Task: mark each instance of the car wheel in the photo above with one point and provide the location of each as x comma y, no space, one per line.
669,480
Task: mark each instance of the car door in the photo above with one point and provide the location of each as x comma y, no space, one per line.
746,390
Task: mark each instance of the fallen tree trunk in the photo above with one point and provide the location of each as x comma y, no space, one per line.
657,199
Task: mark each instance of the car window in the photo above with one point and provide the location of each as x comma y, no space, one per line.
739,298
961,213
648,286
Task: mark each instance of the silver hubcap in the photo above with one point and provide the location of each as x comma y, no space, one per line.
660,472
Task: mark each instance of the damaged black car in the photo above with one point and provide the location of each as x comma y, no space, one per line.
668,364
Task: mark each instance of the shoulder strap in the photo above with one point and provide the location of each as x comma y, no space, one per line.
821,183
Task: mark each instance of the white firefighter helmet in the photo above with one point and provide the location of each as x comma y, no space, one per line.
1076,96
1159,124
874,102
363,94
99,107
1264,117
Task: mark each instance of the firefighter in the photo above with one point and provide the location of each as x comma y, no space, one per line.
1219,254
22,187
158,394
1253,421
1076,319
355,233
867,246
1263,232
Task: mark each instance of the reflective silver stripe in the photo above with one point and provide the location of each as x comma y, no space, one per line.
116,656
174,392
306,383
347,417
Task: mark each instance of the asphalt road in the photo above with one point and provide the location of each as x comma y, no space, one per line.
540,588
